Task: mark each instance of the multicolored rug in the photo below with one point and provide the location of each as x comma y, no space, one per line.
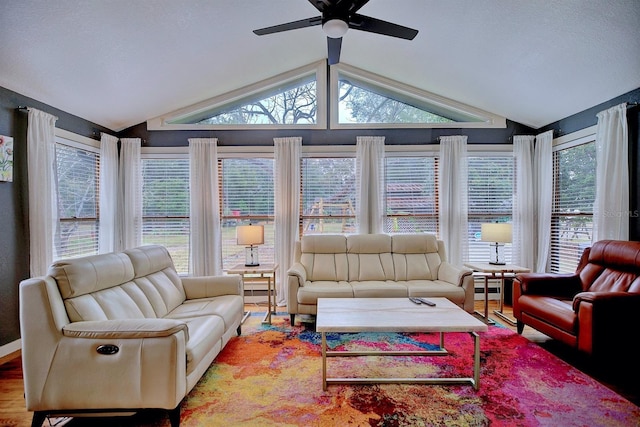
272,376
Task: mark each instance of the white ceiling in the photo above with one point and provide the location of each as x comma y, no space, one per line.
120,62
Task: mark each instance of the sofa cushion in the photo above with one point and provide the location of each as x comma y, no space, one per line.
311,291
435,288
416,257
378,288
80,276
324,257
558,312
205,336
163,289
369,257
227,307
109,304
414,244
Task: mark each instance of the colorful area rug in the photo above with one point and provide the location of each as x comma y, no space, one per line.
272,376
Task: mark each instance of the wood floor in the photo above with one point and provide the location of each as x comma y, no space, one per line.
14,414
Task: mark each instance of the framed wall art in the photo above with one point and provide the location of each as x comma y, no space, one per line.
6,158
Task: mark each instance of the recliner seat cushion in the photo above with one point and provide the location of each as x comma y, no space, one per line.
311,291
226,307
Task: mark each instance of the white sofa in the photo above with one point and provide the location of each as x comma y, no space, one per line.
372,266
119,332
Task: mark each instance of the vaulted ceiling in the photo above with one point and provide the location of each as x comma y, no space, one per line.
119,63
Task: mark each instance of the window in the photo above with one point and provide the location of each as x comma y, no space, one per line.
328,195
246,197
299,99
491,186
78,170
292,100
165,207
574,171
411,195
291,104
360,103
363,100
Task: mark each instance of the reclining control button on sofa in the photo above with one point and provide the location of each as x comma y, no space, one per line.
107,349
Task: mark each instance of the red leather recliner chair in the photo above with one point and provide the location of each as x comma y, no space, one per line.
595,310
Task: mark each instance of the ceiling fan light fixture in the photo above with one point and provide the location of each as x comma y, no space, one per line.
335,28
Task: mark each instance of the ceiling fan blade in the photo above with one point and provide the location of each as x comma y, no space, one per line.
333,49
303,23
378,26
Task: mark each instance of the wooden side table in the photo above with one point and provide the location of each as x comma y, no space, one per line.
260,273
493,271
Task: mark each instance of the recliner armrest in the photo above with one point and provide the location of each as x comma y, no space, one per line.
556,285
212,286
453,274
125,329
298,270
615,300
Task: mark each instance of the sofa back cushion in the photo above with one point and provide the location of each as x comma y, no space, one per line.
114,285
416,256
324,257
156,276
369,257
613,265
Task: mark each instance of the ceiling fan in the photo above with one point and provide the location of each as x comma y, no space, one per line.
337,17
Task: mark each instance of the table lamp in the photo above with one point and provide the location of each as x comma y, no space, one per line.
498,234
250,236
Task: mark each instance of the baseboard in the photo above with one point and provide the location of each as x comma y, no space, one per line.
10,348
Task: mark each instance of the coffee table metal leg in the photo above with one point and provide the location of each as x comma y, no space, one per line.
476,360
324,361
485,315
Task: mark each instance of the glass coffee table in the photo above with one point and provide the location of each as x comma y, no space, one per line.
396,315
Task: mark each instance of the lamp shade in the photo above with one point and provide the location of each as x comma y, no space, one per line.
250,235
496,232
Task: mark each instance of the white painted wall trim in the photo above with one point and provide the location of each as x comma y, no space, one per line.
11,347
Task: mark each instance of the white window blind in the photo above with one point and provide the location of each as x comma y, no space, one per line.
411,195
491,186
574,171
328,195
77,186
165,207
246,197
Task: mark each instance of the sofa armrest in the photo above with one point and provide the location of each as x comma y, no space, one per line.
298,271
604,319
125,329
453,274
296,277
549,284
144,365
212,286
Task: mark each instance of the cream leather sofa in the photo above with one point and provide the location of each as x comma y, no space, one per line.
118,332
373,265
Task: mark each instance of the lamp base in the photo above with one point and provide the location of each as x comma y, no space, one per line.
496,256
251,256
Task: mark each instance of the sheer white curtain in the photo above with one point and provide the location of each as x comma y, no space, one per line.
524,206
369,184
43,206
130,195
543,188
206,238
454,197
108,193
611,207
287,207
